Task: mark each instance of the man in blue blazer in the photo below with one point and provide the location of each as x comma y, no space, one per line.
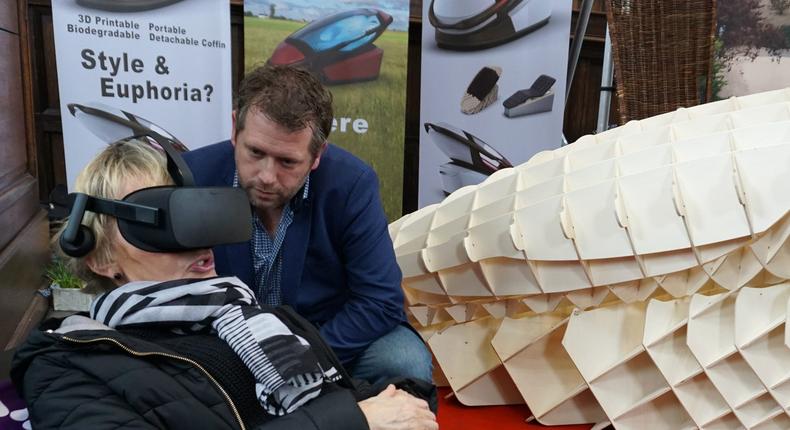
320,242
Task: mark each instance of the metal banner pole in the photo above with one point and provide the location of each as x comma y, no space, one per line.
607,75
576,49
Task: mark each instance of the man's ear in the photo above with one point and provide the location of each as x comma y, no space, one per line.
233,129
317,160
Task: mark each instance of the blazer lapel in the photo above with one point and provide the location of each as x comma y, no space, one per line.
294,252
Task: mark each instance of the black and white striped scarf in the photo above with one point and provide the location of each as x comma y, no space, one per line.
286,370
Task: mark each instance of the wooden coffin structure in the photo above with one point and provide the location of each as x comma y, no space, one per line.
621,278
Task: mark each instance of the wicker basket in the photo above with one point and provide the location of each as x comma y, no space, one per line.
663,54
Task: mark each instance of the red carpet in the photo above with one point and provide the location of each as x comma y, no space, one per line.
455,416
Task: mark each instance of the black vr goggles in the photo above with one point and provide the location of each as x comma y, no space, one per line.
164,219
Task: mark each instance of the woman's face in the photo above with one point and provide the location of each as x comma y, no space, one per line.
134,264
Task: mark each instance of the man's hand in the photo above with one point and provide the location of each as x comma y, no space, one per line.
395,409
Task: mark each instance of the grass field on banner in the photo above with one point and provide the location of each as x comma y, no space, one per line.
381,102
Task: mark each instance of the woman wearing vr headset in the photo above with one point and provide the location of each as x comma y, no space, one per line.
169,344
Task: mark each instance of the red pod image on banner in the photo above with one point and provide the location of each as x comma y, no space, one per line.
338,48
359,52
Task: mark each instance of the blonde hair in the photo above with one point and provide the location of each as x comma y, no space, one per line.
107,176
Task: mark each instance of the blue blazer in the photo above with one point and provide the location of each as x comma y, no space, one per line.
339,268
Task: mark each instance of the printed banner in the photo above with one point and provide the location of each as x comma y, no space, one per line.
359,50
493,88
130,66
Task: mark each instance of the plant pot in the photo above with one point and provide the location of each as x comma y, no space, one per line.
70,299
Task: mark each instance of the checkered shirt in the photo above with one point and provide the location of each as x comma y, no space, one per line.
267,258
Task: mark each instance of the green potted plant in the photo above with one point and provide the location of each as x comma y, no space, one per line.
67,289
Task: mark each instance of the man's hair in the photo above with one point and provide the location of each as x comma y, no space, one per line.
106,177
291,97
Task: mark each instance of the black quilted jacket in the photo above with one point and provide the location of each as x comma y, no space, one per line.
107,379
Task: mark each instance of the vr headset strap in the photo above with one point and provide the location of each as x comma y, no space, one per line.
117,208
124,210
176,165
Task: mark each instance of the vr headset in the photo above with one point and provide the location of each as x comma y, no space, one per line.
164,219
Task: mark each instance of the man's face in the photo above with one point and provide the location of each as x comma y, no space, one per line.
273,162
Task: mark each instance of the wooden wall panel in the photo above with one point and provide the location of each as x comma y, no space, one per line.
46,101
8,21
21,267
24,250
18,194
18,203
12,123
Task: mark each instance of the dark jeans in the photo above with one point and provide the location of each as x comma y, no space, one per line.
398,353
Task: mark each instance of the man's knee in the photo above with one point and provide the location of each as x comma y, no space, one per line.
406,355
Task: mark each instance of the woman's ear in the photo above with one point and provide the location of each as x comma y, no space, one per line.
109,270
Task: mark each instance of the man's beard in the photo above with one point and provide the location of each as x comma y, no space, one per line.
266,198
274,197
